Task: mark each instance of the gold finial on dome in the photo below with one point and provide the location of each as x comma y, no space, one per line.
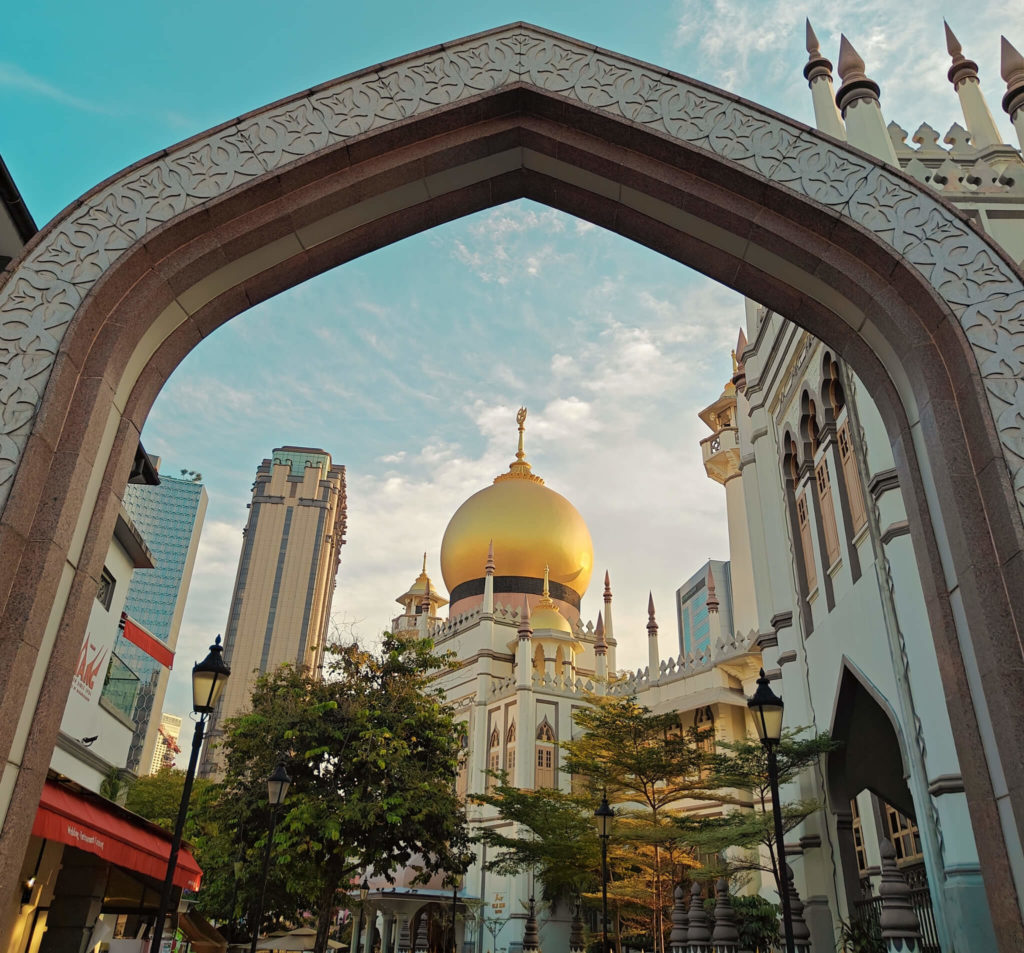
546,614
519,469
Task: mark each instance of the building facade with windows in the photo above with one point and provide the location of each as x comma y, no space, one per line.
281,603
170,515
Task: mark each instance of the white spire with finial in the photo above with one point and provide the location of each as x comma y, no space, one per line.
653,655
857,100
818,73
963,74
1011,67
600,655
525,629
487,606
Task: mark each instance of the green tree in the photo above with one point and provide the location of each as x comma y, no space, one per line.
739,772
553,835
649,765
157,797
372,752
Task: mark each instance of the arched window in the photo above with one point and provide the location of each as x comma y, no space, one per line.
493,757
510,749
462,778
704,723
545,774
538,659
800,527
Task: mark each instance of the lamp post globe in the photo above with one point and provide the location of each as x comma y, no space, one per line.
767,708
208,679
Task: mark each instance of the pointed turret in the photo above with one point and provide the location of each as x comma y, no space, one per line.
524,651
963,74
739,369
653,656
487,608
1011,67
600,655
857,100
712,602
421,599
818,73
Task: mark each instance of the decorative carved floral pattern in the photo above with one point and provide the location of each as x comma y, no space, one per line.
39,300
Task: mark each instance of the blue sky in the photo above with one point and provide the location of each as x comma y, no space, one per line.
408,364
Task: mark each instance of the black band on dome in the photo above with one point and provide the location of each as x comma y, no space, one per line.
520,584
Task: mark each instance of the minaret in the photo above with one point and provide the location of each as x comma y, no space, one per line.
1012,70
857,100
525,713
609,631
721,454
524,648
600,656
963,74
487,608
421,602
818,73
424,616
653,656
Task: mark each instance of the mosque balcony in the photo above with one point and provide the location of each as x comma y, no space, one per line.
721,454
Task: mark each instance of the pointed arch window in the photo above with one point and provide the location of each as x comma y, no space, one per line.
462,778
545,773
510,749
493,757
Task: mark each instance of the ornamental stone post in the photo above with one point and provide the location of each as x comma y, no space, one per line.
698,933
801,932
901,930
577,942
677,938
726,938
531,936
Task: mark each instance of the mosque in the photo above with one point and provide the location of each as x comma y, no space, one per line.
517,560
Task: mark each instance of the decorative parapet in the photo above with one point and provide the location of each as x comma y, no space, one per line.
683,666
961,171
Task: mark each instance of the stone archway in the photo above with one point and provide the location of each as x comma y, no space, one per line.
108,298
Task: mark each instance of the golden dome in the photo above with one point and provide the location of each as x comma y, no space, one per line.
530,525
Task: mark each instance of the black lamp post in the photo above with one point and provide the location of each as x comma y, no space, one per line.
766,708
208,678
604,815
456,884
277,788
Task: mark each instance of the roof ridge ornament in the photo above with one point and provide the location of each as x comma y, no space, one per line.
520,469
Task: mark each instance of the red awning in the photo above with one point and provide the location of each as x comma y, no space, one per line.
146,641
116,835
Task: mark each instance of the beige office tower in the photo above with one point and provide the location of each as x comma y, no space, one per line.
281,605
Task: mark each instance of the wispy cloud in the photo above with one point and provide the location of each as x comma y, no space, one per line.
13,76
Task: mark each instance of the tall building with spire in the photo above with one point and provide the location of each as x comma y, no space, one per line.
281,604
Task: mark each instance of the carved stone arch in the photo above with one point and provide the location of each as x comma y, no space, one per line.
872,743
106,300
510,735
495,739
810,423
790,458
545,733
833,395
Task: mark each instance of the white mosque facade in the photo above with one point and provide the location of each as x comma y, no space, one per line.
823,588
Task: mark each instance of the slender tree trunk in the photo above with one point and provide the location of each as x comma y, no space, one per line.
325,914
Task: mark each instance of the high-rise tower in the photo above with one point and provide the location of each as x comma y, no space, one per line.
281,604
170,517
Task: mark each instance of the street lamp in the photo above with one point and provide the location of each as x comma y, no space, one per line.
208,678
604,815
277,787
456,884
766,708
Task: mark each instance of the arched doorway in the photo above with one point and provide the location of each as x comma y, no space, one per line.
107,300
